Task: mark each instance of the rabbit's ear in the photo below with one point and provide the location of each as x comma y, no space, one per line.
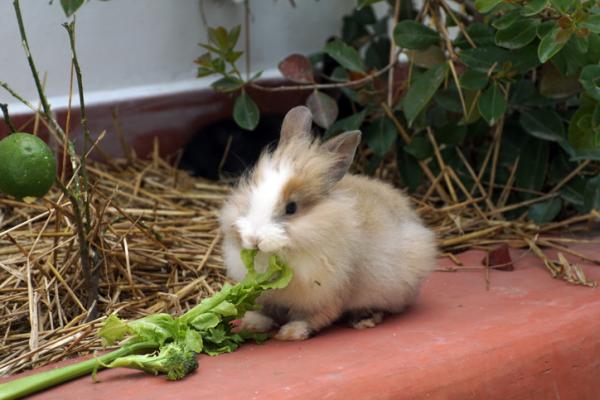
297,121
343,148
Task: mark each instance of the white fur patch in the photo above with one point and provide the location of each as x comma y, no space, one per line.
257,228
254,321
294,330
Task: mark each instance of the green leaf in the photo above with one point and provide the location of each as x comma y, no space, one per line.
419,147
484,6
373,164
590,80
245,112
591,196
113,330
339,74
582,135
409,170
157,328
202,72
364,3
227,84
345,55
422,90
324,108
410,34
533,164
449,100
352,30
544,124
518,35
284,274
507,19
205,321
481,34
552,43
483,58
592,22
71,6
491,104
596,118
378,53
351,123
233,36
545,27
427,58
570,59
473,80
451,134
555,85
193,341
220,37
364,15
225,309
546,211
525,59
561,5
381,135
574,192
533,7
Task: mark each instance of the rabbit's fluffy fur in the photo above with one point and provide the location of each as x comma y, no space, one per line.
354,243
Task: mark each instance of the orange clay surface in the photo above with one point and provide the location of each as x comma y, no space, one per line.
528,337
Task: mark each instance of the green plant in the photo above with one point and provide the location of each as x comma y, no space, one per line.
505,90
170,345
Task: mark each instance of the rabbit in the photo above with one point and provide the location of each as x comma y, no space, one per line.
355,245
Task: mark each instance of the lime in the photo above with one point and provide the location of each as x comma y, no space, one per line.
27,166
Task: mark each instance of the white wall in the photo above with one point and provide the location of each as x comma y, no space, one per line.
129,48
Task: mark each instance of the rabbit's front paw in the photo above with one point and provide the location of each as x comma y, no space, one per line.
294,330
254,321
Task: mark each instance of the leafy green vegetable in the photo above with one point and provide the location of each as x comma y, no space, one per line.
171,344
173,360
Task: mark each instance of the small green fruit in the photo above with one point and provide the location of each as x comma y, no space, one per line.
27,166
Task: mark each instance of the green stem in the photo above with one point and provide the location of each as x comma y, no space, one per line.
88,276
204,306
93,295
35,383
34,72
7,120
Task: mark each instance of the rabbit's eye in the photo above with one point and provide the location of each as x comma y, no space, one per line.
291,208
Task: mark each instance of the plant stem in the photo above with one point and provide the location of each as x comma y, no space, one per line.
70,27
34,72
390,93
88,275
92,296
317,86
7,120
247,36
35,383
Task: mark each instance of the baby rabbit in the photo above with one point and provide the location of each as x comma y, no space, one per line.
354,243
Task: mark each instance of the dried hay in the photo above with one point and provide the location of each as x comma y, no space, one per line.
155,232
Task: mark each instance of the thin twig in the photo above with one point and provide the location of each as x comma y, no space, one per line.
392,61
349,84
7,120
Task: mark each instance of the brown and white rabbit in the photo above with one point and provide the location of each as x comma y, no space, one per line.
354,243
